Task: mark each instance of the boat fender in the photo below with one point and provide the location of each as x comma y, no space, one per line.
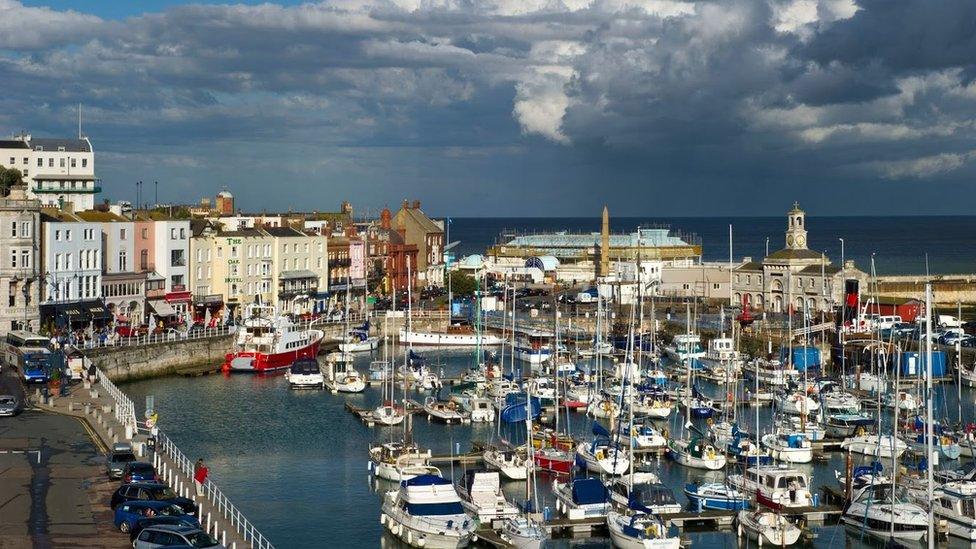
421,542
410,537
383,519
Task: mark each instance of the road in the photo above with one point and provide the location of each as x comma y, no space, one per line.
53,491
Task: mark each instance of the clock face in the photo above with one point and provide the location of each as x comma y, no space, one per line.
801,240
789,240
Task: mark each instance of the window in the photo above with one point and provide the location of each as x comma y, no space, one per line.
123,260
182,233
84,162
172,233
145,233
57,236
715,286
176,280
122,234
67,261
306,262
13,229
40,162
50,162
318,263
199,272
67,235
61,163
233,251
199,255
13,258
306,247
57,262
144,259
320,246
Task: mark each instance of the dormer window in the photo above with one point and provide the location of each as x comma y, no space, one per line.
39,148
60,149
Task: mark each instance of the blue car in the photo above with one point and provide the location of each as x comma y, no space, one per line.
139,471
128,515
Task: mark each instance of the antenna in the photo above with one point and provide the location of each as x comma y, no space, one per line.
79,122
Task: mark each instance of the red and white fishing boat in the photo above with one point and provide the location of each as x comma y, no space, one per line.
267,342
555,460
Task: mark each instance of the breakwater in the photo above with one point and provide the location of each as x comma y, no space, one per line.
131,363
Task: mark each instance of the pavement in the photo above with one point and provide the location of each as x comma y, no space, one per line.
53,488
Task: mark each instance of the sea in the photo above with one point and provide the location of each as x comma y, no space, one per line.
295,462
903,245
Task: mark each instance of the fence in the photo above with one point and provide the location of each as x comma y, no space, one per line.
155,338
222,506
126,415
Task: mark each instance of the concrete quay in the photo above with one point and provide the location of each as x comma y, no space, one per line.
111,420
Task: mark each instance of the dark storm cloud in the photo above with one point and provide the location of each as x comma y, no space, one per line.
449,100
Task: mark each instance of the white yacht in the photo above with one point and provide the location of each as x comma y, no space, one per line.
956,504
685,347
640,531
602,457
875,507
481,495
797,403
445,411
883,446
776,487
697,453
767,526
480,410
789,447
512,463
523,533
396,461
581,498
305,374
427,512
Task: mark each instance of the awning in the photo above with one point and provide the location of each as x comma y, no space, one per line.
98,312
208,300
299,274
162,308
178,297
73,312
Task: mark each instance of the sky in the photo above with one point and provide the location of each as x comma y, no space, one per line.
510,107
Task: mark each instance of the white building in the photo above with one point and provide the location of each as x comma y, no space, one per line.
172,254
71,261
56,171
19,234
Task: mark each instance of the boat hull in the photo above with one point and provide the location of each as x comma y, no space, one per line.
255,362
438,339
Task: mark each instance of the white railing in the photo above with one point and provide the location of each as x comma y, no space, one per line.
125,410
222,506
156,338
824,327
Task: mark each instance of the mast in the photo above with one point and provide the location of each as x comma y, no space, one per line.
689,394
928,408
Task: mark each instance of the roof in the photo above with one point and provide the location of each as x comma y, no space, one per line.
789,253
543,262
54,215
282,231
888,300
54,144
64,177
242,232
817,269
95,215
12,144
750,266
421,219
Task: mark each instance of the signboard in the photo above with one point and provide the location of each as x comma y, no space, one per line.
357,260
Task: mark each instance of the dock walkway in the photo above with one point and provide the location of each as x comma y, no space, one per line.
111,420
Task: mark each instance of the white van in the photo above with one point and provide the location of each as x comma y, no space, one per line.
887,322
949,321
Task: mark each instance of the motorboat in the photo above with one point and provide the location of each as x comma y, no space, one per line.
789,447
797,403
513,464
499,388
846,425
906,402
343,377
653,406
482,496
542,388
305,374
697,453
268,341
603,407
534,347
461,335
581,498
395,461
883,446
775,486
875,507
523,533
685,347
768,527
443,411
773,373
956,504
746,451
480,410
944,444
715,495
721,356
640,531
643,436
358,340
427,512
648,497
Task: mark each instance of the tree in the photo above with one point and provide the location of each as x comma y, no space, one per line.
463,285
8,178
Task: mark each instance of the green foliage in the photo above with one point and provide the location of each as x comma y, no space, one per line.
462,285
8,178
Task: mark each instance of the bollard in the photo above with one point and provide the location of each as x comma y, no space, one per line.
88,410
128,432
111,432
223,539
216,529
208,521
71,406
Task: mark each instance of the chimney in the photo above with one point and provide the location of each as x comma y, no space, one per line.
416,204
385,218
405,205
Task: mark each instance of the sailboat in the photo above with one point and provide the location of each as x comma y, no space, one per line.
769,527
601,455
640,531
344,378
388,413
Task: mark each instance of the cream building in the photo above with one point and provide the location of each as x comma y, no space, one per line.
793,276
20,280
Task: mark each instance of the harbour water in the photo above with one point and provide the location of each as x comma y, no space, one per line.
900,244
295,461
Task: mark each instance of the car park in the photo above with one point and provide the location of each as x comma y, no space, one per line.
120,455
130,513
169,536
139,471
140,491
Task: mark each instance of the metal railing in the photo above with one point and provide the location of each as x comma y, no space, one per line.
168,336
125,410
220,503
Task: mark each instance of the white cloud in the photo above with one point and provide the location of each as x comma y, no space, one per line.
924,167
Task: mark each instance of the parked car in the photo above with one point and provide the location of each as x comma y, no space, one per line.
8,405
160,520
168,536
126,329
139,471
120,455
141,491
130,513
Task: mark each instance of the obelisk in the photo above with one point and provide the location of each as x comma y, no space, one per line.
605,243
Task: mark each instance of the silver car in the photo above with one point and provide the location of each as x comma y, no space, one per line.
152,537
120,455
8,405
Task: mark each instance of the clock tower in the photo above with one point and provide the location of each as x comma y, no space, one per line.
796,233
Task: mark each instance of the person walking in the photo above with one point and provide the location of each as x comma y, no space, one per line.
200,473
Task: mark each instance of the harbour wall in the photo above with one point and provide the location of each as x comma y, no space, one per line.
161,359
946,289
